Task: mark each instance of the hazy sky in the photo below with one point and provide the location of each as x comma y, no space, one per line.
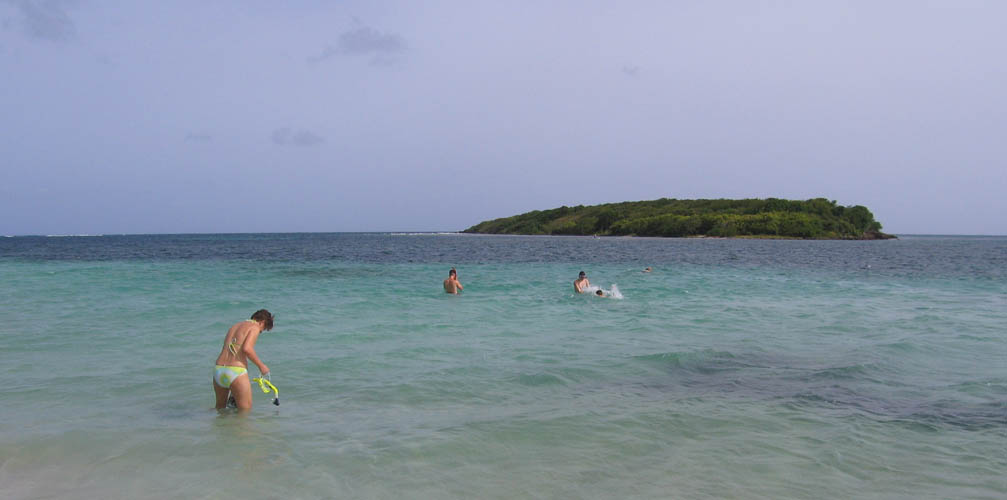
260,116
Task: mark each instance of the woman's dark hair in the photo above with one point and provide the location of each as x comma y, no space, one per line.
265,317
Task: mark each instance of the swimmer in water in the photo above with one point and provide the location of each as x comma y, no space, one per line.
646,270
600,293
230,376
582,283
452,285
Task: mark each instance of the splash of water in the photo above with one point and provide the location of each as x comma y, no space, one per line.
612,292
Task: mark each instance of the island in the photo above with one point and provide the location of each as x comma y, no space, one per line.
816,218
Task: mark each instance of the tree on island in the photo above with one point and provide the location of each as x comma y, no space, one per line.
816,218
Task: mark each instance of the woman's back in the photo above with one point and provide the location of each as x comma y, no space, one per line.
231,353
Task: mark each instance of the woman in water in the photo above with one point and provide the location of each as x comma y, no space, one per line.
231,373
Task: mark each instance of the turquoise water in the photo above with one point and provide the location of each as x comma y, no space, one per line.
736,369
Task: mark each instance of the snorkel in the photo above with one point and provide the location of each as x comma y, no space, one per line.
263,382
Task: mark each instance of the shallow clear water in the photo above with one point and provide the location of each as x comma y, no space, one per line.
736,369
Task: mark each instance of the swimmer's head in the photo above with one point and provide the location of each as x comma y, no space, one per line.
452,272
600,293
265,317
583,274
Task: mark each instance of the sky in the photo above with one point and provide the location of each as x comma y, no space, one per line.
264,116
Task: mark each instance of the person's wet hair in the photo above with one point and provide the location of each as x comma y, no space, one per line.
600,293
582,274
452,272
265,317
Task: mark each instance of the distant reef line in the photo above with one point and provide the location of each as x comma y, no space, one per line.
817,218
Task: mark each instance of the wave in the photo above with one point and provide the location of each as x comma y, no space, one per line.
849,372
538,379
706,360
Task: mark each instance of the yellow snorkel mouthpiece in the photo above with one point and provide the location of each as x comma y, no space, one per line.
263,383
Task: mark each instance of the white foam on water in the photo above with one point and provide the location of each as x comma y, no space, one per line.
612,292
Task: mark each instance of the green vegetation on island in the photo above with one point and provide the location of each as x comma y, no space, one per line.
817,218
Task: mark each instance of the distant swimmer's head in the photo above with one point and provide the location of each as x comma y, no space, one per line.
265,317
600,293
452,272
647,270
583,274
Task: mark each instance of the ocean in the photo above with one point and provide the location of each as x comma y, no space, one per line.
735,369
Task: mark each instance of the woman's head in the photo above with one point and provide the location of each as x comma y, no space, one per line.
263,316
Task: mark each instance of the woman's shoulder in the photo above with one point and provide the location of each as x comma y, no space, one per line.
241,325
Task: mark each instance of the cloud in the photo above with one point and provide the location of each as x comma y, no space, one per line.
306,138
280,136
366,41
46,20
303,138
